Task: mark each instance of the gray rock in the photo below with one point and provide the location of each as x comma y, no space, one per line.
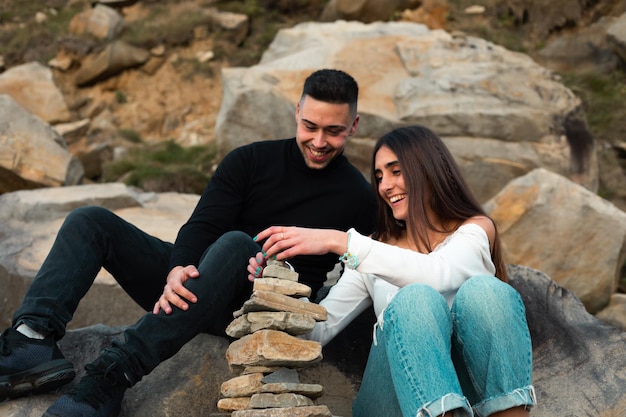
616,37
468,90
113,59
579,363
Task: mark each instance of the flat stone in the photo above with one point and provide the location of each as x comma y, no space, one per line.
282,375
232,404
310,390
253,369
242,386
269,400
308,411
268,301
292,323
282,286
281,272
272,348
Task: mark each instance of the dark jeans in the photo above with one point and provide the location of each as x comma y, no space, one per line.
93,237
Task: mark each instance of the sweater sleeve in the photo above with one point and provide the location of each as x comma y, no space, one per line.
464,254
344,302
218,208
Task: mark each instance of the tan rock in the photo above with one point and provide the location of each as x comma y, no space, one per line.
309,411
582,241
32,85
272,348
615,313
288,399
113,59
242,386
233,404
32,154
103,22
292,323
268,301
277,271
282,286
253,369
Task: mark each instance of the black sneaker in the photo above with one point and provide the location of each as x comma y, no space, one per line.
98,394
31,365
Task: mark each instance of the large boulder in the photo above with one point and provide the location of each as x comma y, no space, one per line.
113,59
102,21
365,10
30,220
556,226
501,113
32,85
571,350
32,154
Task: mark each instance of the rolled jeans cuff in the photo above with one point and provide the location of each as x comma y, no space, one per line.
444,404
522,396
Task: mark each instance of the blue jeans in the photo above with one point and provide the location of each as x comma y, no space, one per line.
93,237
428,359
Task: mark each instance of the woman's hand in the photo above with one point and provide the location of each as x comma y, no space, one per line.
286,242
174,293
255,266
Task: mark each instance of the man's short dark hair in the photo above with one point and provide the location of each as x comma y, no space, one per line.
332,86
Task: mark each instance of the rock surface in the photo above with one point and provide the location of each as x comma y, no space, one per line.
502,114
32,154
579,364
564,230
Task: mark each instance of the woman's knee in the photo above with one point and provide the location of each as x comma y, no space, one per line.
484,296
486,288
416,298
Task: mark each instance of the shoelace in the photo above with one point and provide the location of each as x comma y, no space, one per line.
94,389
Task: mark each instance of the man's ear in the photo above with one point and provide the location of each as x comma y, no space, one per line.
354,126
297,114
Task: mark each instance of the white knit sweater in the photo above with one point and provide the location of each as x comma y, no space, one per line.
383,269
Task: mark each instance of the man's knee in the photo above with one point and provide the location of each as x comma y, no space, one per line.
232,246
88,213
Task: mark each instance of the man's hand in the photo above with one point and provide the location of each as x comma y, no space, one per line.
174,293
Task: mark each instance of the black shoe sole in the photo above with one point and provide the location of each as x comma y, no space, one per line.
37,380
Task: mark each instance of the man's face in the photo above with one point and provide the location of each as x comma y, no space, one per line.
323,130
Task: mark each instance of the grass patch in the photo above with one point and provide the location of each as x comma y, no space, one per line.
130,135
164,167
603,100
23,39
160,27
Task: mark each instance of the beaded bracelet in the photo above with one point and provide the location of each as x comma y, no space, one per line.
352,261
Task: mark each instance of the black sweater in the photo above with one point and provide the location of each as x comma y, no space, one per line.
268,183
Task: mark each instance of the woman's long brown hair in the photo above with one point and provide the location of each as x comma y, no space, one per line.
431,174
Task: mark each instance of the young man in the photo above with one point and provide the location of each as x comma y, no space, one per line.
194,285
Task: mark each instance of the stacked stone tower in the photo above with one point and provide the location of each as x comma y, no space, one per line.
268,352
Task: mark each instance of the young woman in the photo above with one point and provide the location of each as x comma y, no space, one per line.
451,336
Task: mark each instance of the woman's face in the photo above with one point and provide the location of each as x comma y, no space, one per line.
391,188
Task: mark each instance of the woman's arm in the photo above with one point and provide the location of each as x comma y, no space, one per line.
464,254
344,302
